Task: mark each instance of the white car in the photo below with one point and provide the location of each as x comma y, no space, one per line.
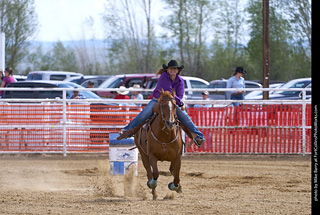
51,75
254,94
288,95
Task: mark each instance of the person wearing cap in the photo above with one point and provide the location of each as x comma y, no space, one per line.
205,96
169,78
75,95
136,95
237,81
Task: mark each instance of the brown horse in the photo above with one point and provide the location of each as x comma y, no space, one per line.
161,140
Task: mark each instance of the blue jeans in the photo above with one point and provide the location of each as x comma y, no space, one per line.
147,112
237,97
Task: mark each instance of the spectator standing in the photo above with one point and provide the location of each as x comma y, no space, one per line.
237,81
7,79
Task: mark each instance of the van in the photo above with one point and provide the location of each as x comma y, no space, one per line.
51,75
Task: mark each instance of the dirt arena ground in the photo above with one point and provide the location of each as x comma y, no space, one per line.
224,184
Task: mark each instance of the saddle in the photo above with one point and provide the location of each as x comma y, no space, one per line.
133,131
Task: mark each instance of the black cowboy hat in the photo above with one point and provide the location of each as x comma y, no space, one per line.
240,70
173,63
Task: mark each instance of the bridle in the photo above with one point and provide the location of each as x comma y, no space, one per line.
175,123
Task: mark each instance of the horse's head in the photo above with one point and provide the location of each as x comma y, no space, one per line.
167,108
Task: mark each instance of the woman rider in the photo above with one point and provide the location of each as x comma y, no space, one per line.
169,78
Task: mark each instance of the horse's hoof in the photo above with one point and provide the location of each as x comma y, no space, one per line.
152,184
173,187
179,189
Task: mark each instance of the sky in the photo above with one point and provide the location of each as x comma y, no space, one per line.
64,19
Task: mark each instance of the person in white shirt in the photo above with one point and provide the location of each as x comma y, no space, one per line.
136,94
205,96
237,81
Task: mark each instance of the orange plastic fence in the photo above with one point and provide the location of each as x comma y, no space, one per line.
85,128
252,129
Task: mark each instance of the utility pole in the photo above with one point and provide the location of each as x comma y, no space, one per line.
266,48
2,51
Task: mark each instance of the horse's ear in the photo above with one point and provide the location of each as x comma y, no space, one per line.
162,91
173,92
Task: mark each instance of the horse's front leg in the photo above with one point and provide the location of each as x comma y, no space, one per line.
147,166
153,182
175,185
153,162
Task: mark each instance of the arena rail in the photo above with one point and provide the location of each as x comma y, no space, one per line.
71,126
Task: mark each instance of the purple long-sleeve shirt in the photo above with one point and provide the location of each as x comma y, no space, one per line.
166,84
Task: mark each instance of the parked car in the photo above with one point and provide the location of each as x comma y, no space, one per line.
98,112
83,80
289,95
127,80
36,94
189,83
252,95
51,75
20,77
223,84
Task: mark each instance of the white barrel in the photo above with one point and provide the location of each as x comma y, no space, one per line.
121,158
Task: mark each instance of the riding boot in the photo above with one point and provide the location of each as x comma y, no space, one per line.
199,141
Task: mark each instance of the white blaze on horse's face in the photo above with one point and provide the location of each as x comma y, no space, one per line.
168,113
170,109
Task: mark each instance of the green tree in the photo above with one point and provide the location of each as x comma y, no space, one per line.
281,48
59,58
227,49
18,20
130,39
189,24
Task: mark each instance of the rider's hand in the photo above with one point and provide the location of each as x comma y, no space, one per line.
183,107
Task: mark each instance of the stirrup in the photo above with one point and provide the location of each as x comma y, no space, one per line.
124,135
199,142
